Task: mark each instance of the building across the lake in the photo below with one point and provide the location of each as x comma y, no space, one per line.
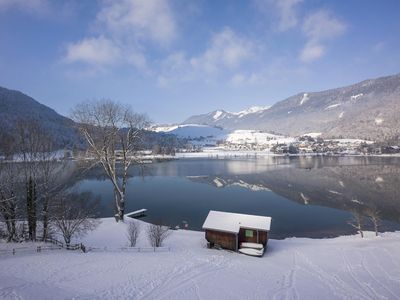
230,230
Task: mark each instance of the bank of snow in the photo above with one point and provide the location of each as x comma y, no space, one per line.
339,268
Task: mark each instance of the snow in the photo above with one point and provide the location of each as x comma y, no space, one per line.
351,141
334,192
346,267
252,187
251,110
304,99
356,97
332,106
232,222
218,182
252,245
196,131
313,134
341,115
305,198
165,128
252,252
217,115
256,136
378,121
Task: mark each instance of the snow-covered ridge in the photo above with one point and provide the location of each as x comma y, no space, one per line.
221,114
217,115
215,134
251,110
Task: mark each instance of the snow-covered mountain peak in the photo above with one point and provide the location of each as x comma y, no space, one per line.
218,114
251,110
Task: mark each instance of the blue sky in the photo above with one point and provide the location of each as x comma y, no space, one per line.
171,58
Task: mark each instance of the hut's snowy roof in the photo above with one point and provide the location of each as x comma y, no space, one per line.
231,222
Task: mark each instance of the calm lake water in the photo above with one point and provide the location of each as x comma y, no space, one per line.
305,196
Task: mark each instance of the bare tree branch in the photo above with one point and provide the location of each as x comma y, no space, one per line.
113,133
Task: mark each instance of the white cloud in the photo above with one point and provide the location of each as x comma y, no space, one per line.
174,68
286,11
227,50
322,25
319,27
311,52
144,19
94,51
119,32
226,53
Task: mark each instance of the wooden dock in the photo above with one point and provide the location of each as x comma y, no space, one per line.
137,213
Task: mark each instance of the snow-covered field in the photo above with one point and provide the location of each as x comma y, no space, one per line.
340,268
213,134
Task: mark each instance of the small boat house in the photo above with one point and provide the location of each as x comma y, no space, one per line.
231,230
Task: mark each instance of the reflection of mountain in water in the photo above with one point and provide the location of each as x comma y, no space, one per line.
347,187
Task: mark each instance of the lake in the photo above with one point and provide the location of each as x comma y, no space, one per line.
305,196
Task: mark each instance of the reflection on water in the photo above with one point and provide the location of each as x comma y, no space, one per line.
305,196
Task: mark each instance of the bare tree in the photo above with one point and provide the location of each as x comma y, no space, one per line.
113,133
157,233
49,181
358,222
374,215
75,214
133,232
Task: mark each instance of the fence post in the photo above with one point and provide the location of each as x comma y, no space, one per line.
154,249
13,251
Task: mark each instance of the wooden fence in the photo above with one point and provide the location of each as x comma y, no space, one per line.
56,245
128,249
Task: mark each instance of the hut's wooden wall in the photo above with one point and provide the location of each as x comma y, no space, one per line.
262,236
224,239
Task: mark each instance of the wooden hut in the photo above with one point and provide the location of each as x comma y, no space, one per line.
230,230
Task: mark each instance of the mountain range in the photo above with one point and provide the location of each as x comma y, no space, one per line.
368,110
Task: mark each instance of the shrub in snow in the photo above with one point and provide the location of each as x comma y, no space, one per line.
374,215
74,215
358,222
157,234
133,233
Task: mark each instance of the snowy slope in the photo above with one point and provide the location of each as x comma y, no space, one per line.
195,131
257,137
341,268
